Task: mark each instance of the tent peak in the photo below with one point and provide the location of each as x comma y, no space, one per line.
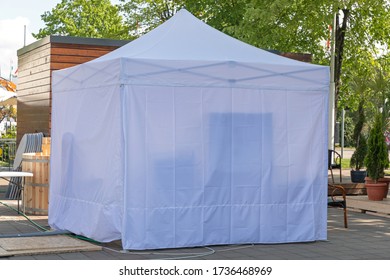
187,38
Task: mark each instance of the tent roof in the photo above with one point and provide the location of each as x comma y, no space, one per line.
184,51
184,37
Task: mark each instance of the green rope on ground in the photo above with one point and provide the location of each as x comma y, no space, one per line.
45,229
84,238
31,221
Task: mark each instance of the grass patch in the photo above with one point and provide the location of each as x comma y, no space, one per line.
345,163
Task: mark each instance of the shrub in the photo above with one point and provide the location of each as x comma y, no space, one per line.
377,158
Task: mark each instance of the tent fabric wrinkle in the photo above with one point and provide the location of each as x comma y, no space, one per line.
187,137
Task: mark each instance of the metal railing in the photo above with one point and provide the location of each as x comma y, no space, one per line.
7,153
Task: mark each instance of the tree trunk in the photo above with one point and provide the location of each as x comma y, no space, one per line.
339,48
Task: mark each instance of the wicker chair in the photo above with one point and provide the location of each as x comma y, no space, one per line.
334,162
337,198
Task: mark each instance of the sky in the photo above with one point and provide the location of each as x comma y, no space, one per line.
15,14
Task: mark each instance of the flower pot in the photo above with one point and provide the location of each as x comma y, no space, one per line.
357,176
368,180
376,191
387,181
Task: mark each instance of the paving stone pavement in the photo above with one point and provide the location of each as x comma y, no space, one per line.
367,238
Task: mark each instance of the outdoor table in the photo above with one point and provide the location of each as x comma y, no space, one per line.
9,174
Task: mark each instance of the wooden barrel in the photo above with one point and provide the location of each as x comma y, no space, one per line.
36,188
46,142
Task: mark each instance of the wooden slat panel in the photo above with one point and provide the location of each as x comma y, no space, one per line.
33,102
36,107
38,53
34,87
40,121
29,96
62,65
34,77
79,52
41,89
39,109
31,115
71,59
33,127
33,91
82,47
34,70
28,65
64,56
35,84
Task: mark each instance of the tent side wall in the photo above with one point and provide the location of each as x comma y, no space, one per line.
172,155
224,165
86,194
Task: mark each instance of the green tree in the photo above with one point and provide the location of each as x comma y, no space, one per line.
362,27
84,18
303,26
380,88
144,15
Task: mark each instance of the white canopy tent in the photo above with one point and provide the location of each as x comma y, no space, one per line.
188,137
